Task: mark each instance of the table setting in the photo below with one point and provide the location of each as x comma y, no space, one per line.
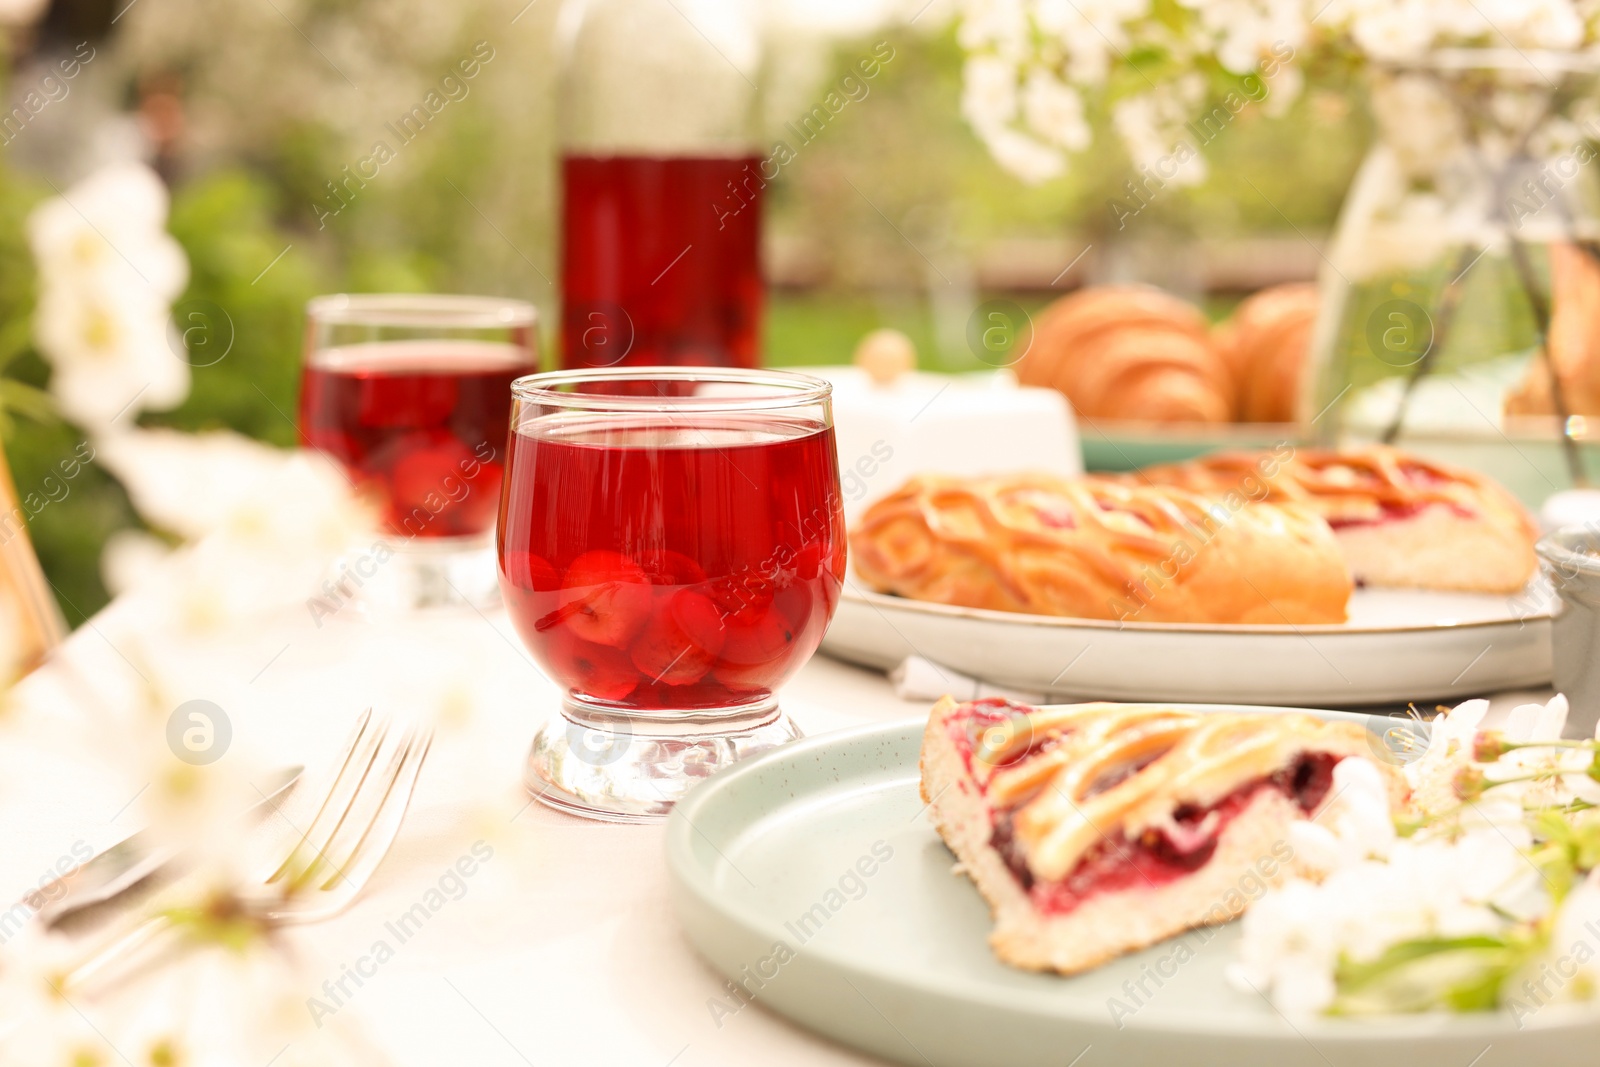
948,535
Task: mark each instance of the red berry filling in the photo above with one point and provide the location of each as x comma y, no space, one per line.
1396,513
1158,857
971,731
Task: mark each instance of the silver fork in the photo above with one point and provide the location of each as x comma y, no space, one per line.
351,831
326,866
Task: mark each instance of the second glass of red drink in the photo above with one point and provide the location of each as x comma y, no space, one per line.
671,549
411,395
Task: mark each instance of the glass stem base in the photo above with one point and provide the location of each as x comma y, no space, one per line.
417,575
633,767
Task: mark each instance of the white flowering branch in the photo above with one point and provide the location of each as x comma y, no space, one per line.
1037,70
1488,877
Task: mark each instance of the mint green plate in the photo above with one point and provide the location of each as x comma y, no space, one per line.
1119,445
812,876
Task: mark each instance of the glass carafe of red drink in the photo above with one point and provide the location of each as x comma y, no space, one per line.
661,184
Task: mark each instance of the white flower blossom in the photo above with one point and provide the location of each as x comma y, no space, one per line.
1289,950
1432,776
1295,936
213,1006
1393,31
1152,127
1082,45
1026,157
1558,775
263,524
1574,955
130,559
1353,827
1245,32
1466,872
989,93
108,273
191,805
38,1028
1418,121
1054,111
992,23
256,496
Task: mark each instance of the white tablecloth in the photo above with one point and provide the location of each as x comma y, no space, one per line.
563,948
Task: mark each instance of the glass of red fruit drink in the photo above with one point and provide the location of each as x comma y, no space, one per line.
411,395
671,549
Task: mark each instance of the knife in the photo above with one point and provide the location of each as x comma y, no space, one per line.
126,864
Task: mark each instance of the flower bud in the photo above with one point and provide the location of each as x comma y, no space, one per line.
1469,783
1406,825
1489,745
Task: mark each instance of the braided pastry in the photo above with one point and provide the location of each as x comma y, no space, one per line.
1129,352
1097,549
1264,344
1401,519
1097,829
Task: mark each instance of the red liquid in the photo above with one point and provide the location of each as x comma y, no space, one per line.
660,261
671,566
420,424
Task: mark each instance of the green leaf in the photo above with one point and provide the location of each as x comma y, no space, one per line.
28,401
1552,826
1462,974
1587,845
1482,994
16,337
1355,974
1147,57
1557,863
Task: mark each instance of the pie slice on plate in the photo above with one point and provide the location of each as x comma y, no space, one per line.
1401,519
1094,830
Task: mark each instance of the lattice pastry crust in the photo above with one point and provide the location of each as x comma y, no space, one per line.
1099,829
1092,548
1072,775
1401,519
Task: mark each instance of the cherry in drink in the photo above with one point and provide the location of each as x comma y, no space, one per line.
421,424
660,260
672,562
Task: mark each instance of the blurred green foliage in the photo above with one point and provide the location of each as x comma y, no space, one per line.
70,532
817,329
242,314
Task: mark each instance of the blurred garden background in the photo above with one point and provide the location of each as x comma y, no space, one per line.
894,215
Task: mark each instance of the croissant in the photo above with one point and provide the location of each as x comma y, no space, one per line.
1129,352
1097,549
1264,344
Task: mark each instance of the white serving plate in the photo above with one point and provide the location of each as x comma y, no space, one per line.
1399,646
895,961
